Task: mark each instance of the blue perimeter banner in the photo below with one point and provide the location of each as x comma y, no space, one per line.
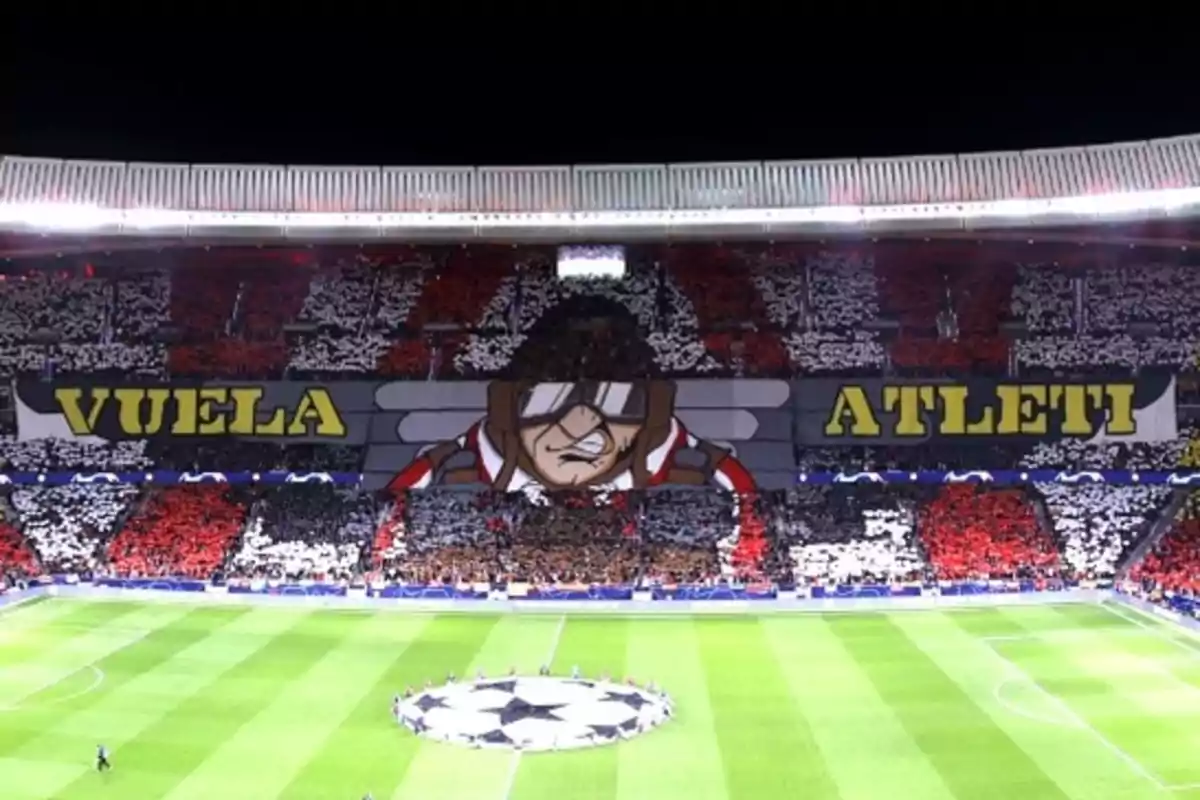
1176,478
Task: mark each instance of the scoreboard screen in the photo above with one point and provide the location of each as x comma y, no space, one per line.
591,261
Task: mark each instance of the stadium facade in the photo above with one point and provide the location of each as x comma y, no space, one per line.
1060,187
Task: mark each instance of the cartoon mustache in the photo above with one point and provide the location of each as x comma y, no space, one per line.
591,445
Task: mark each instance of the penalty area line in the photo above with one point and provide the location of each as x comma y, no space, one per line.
514,765
1182,787
1156,627
1081,723
98,677
1015,708
1059,634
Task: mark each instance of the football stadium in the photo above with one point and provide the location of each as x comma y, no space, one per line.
847,479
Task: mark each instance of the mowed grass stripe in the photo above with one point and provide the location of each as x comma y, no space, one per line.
1120,681
1050,619
81,657
1036,720
1132,700
1186,638
1159,659
1139,717
595,646
683,757
48,626
367,752
453,772
848,717
182,738
126,710
17,603
19,621
767,748
46,746
1165,646
974,756
304,712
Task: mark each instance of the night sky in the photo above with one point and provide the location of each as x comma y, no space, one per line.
149,102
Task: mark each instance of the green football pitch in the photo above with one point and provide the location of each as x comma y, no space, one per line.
199,702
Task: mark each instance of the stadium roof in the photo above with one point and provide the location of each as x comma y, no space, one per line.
1132,181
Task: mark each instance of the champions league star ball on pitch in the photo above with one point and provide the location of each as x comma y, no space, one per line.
533,714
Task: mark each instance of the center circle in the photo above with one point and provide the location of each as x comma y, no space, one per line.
534,713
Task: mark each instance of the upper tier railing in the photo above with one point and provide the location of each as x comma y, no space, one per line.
1134,179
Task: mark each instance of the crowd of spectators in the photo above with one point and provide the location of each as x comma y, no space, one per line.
68,526
848,535
1174,564
702,309
971,533
17,561
1123,317
1097,526
302,531
184,531
695,310
72,455
658,537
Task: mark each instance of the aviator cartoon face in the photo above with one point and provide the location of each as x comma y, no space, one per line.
604,435
575,433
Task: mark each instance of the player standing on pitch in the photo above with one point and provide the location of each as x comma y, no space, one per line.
102,764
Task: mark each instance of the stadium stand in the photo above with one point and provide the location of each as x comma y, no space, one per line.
314,532
69,525
179,531
948,316
16,558
683,311
848,535
703,310
1081,319
975,533
1096,526
71,455
838,296
1174,564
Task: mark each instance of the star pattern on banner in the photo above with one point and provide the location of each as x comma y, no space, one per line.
632,699
517,710
509,686
547,712
495,737
428,702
